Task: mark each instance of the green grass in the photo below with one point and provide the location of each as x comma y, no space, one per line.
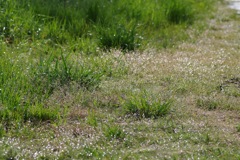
145,79
114,132
119,38
108,24
179,11
238,128
91,119
207,104
143,106
24,85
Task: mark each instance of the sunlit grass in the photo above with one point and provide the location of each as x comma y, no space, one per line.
146,79
108,24
144,106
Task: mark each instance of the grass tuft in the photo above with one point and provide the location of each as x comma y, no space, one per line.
179,11
33,114
118,37
207,104
2,131
40,114
113,132
91,118
238,128
142,106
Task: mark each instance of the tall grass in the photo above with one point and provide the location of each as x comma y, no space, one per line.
26,84
38,40
118,37
177,11
111,24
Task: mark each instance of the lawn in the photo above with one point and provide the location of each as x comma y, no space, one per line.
146,79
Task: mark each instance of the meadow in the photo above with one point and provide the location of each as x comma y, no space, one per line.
113,79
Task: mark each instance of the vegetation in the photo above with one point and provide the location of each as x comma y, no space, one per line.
141,106
113,79
86,25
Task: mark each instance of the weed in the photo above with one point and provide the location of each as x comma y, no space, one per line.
86,46
11,154
231,87
232,90
55,72
238,128
142,106
206,139
113,132
90,152
39,113
207,104
32,113
54,33
179,11
91,119
2,131
118,37
182,89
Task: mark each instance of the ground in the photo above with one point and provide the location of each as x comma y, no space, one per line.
201,80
